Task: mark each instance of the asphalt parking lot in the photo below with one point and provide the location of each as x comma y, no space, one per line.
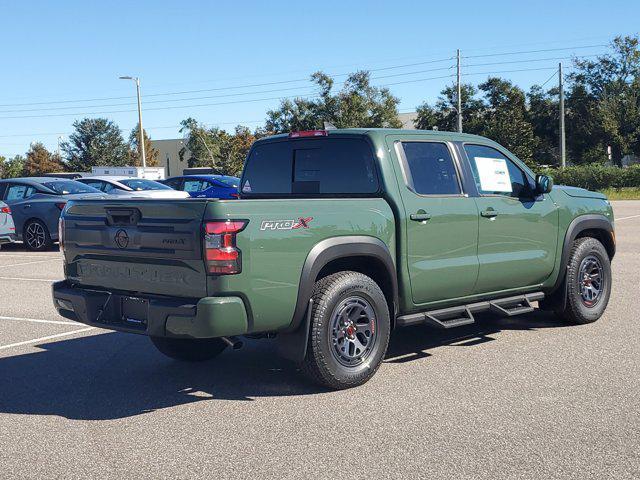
527,397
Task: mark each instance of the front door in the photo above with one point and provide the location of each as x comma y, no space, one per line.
518,230
441,221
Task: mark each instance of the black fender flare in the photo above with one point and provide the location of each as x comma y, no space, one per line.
292,341
578,225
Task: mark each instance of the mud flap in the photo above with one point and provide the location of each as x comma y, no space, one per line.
293,346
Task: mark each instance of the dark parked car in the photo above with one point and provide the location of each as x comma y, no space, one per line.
206,186
36,204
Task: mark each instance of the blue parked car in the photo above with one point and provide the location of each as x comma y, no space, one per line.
206,186
36,203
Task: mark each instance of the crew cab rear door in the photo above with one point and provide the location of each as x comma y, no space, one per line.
143,245
441,221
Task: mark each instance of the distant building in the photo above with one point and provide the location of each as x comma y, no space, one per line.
169,155
407,120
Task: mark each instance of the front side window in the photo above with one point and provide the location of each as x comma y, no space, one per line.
495,174
430,169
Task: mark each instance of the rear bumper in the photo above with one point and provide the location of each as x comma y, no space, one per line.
208,317
8,238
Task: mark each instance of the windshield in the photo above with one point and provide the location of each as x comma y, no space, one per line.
139,184
230,181
67,187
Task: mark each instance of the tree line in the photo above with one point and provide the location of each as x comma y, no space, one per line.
602,112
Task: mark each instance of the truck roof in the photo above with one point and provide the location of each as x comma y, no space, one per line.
435,134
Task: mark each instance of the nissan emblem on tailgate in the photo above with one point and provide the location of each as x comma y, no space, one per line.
121,238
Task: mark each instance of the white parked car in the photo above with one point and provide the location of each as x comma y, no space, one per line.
7,227
132,187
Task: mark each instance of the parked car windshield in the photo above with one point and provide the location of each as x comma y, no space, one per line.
67,187
140,184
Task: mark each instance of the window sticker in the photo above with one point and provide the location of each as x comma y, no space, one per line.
494,174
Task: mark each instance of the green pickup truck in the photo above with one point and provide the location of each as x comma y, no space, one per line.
339,237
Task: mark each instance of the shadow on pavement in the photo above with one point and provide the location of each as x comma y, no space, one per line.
115,375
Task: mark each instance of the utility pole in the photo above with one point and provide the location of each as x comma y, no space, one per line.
563,144
59,140
143,157
459,94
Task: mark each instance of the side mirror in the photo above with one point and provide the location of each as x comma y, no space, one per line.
544,184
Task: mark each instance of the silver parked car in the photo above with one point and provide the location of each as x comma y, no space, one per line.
7,227
131,186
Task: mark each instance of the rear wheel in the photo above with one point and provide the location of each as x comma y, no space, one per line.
349,331
188,350
36,236
588,282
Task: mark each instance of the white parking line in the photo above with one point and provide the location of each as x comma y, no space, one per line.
44,339
27,263
626,218
48,280
37,320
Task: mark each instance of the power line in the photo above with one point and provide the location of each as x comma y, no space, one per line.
234,87
548,79
529,60
536,51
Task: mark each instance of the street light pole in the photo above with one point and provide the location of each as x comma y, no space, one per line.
143,157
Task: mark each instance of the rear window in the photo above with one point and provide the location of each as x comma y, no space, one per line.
69,187
229,181
140,184
324,166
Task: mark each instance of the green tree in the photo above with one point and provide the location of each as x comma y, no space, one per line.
215,148
12,168
356,104
603,107
95,142
151,154
40,161
543,114
505,118
443,114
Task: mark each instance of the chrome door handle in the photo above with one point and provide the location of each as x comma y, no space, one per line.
420,217
489,213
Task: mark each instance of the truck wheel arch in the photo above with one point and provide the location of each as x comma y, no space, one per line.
327,257
590,225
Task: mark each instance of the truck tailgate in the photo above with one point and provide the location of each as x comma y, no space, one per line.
144,245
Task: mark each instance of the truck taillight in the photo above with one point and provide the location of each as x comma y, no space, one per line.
220,252
6,210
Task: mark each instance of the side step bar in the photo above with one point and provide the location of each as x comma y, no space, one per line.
463,315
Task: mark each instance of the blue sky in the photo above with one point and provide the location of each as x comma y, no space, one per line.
237,58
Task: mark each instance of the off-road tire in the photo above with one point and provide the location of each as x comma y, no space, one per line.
36,236
575,310
321,364
188,350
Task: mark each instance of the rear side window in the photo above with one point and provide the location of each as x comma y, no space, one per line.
430,169
192,185
324,166
18,192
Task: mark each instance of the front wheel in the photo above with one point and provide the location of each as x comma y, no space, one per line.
588,282
349,331
188,350
36,236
